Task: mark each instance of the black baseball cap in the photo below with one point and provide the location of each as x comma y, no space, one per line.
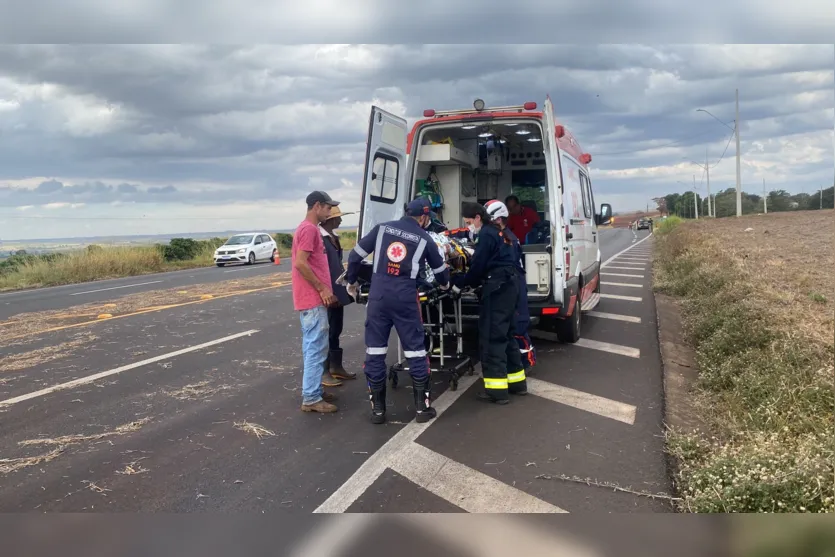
419,207
320,197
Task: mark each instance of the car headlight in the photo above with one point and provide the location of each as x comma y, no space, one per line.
242,250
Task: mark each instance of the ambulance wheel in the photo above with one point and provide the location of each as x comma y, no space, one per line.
568,329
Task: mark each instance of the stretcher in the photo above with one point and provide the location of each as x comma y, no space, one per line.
441,313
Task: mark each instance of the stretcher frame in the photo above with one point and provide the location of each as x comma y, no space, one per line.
442,362
456,364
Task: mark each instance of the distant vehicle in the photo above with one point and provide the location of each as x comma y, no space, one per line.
246,248
644,223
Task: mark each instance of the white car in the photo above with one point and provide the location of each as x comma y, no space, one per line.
246,248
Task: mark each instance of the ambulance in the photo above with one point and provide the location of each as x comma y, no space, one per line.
484,153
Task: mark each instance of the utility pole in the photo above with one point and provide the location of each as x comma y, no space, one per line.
710,213
821,205
695,198
765,199
738,167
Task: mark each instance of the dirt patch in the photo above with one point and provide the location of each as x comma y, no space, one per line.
8,465
75,439
35,323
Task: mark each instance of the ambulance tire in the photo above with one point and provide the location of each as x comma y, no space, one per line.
568,330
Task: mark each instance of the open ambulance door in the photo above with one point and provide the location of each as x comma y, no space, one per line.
384,189
552,157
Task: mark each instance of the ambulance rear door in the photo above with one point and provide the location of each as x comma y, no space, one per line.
384,189
551,151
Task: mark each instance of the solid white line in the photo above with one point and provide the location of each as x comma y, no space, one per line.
621,284
617,297
599,405
463,486
247,268
114,288
97,376
615,316
636,244
341,499
608,347
642,268
621,275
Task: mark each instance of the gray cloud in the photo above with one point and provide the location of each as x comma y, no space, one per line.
198,126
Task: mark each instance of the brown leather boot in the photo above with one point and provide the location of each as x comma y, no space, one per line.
322,407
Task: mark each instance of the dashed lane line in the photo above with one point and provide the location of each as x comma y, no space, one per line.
464,487
633,246
619,349
615,316
103,374
599,405
621,275
622,268
115,288
619,297
626,284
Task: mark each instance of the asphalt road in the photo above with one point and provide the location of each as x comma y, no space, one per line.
162,416
60,297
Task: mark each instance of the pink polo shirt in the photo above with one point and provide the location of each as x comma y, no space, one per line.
308,238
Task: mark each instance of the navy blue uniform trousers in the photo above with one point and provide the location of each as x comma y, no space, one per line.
402,313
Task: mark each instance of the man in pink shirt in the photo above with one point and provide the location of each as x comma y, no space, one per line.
312,295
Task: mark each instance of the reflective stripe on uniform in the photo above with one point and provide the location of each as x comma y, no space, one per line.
517,377
495,383
525,351
414,353
416,258
377,350
378,246
439,270
361,252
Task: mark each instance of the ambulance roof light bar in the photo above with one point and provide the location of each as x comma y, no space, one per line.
478,106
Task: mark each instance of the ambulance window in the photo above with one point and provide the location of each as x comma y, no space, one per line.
384,179
587,208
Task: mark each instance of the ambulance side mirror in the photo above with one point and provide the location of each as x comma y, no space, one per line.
605,216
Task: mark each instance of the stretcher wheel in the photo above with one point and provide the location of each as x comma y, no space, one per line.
471,370
453,384
394,378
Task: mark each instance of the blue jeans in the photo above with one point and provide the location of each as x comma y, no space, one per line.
315,351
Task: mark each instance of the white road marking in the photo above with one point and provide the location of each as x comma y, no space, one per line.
633,258
622,284
97,376
617,297
633,246
615,316
114,288
463,486
608,347
623,268
599,405
622,275
247,268
341,499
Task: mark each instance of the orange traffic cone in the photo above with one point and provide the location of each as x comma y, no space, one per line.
277,259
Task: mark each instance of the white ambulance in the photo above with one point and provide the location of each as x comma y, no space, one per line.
486,153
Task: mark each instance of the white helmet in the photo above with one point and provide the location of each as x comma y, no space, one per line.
496,209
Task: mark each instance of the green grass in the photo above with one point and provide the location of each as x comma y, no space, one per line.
667,225
98,263
765,387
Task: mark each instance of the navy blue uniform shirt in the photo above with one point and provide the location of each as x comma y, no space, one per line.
491,252
401,250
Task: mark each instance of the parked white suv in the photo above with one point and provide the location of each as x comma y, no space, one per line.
246,248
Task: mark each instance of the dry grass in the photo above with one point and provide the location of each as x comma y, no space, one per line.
29,324
8,465
758,305
254,429
197,391
17,362
78,438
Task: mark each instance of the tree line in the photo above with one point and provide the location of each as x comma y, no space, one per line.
682,204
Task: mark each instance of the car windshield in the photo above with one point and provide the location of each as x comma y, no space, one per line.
239,240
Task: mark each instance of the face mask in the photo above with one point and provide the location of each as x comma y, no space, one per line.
473,230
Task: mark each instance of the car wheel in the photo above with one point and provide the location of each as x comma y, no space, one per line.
251,259
221,264
272,257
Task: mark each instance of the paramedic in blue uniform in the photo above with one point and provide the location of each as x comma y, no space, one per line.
401,250
498,213
494,268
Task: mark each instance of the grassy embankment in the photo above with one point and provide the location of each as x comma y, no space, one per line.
758,308
97,262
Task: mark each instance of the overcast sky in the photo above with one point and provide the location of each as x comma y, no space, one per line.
159,139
